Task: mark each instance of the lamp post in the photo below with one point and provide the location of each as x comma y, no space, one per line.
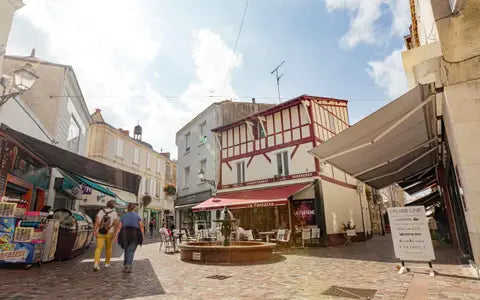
23,79
201,175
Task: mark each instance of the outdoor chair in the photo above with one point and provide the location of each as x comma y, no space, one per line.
166,243
250,235
306,236
285,241
280,236
316,235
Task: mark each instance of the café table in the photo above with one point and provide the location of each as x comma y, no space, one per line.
267,234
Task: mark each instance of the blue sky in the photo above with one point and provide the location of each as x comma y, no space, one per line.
162,62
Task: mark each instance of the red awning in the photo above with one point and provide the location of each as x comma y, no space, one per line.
274,196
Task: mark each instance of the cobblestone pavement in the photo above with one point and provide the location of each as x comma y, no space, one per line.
300,274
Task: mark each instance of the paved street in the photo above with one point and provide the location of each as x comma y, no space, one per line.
301,274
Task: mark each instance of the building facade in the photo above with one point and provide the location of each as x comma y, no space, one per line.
115,147
269,180
443,50
57,102
197,150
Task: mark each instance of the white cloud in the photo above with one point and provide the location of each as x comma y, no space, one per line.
389,74
212,59
365,16
112,45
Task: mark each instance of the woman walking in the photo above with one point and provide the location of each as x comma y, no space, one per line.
130,233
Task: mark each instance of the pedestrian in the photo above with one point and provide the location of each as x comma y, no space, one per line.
130,233
164,230
104,231
151,227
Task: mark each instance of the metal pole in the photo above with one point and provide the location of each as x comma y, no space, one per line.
278,86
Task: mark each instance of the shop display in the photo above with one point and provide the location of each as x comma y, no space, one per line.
51,237
21,233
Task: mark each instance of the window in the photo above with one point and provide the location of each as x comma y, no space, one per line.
282,164
157,190
203,132
158,166
240,172
258,131
187,142
119,148
136,156
203,167
186,177
153,187
167,173
73,138
147,186
147,161
331,122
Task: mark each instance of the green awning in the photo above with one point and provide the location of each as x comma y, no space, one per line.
95,186
120,201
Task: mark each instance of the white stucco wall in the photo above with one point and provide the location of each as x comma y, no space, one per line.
462,123
16,114
342,204
197,153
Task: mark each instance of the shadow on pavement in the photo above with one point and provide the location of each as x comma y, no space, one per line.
379,248
78,281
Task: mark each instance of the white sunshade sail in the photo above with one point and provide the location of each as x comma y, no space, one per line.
389,145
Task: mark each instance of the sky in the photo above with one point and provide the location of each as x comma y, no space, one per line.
160,62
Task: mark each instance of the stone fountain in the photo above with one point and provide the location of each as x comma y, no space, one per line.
230,252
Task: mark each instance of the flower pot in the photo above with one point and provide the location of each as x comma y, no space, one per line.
351,232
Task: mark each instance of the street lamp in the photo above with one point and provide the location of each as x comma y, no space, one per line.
23,80
201,175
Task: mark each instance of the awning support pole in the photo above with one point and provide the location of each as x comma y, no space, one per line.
380,136
395,158
402,168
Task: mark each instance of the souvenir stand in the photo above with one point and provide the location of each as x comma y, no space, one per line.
21,233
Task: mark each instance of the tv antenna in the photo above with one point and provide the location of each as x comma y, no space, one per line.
278,78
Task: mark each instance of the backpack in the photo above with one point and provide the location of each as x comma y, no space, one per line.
105,222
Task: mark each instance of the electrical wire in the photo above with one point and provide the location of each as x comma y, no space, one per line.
351,100
236,45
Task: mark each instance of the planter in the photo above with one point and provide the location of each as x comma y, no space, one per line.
351,232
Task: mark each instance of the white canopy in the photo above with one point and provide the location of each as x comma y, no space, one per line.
393,143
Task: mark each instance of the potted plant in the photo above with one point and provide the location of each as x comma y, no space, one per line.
350,229
170,190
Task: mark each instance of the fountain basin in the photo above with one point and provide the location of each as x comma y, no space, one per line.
237,253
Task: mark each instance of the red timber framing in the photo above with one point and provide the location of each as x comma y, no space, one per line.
305,119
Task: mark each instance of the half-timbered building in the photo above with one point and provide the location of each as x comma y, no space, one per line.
269,180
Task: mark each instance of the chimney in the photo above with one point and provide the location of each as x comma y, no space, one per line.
124,132
98,110
253,100
32,54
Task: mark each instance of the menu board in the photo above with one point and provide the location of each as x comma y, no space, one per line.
410,233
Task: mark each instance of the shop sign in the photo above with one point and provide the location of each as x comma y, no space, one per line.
14,255
86,190
17,162
194,198
196,255
410,233
304,212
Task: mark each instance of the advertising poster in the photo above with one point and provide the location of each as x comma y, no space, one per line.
304,212
410,233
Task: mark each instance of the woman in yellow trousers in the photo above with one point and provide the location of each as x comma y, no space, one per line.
104,231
